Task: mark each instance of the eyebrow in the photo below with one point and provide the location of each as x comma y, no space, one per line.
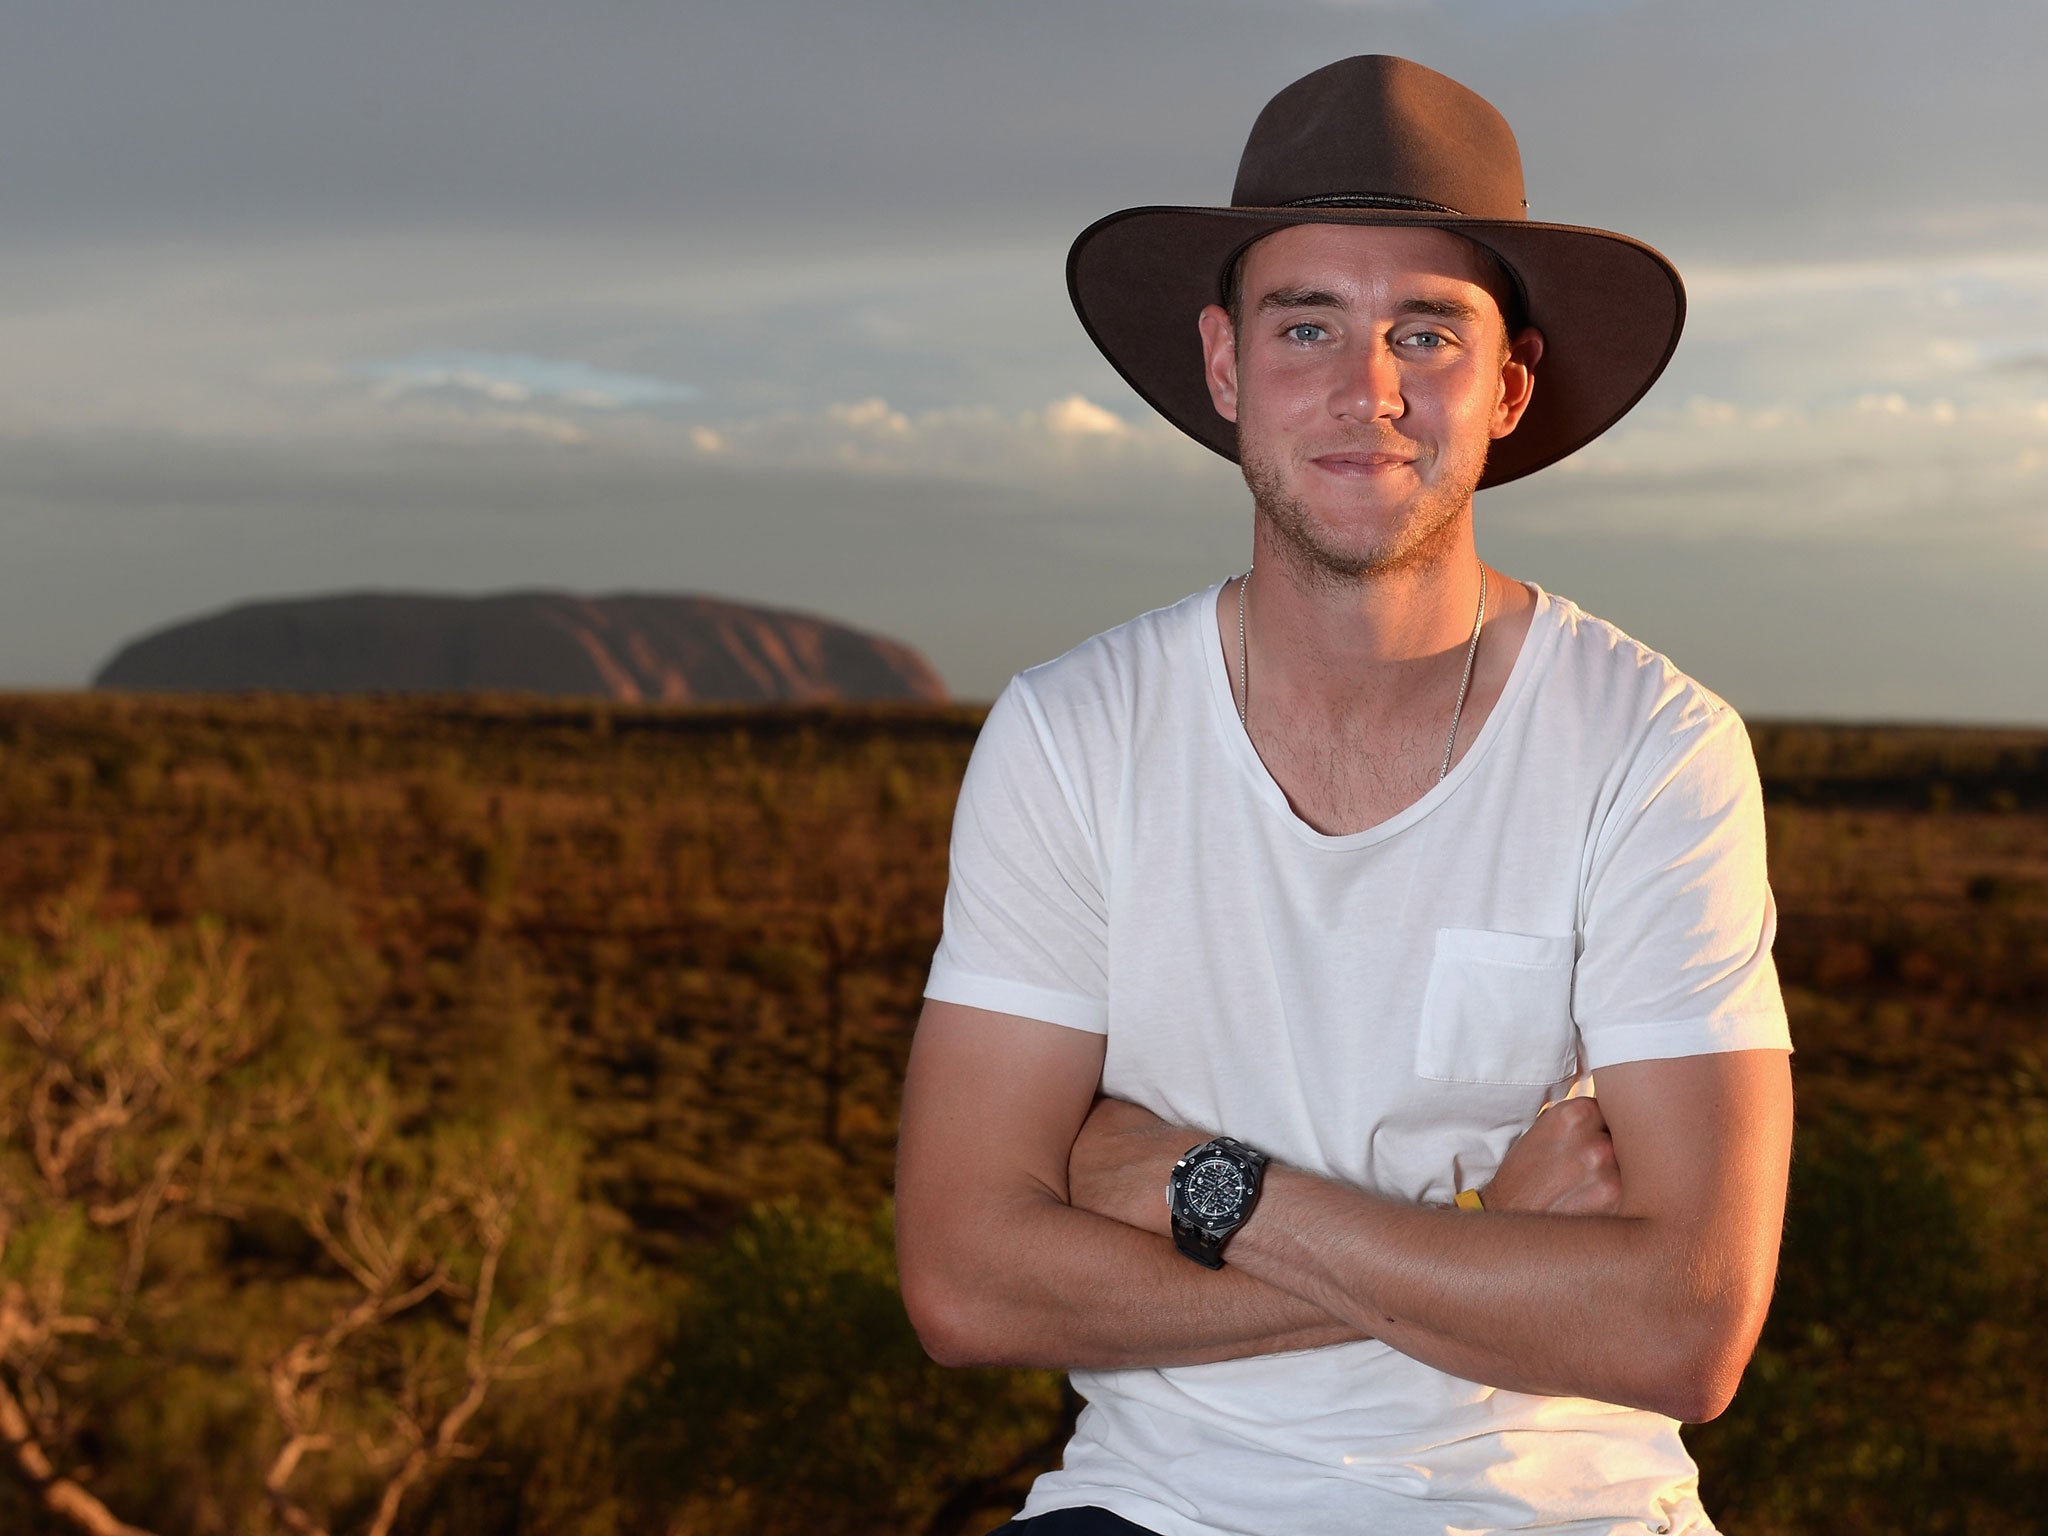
1299,298
1443,309
1318,298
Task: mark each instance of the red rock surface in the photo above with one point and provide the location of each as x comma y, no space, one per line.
631,647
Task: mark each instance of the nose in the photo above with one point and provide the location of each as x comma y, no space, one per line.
1368,387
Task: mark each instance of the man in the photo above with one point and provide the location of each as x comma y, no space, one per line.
1357,862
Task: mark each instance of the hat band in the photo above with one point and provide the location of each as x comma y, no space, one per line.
1370,200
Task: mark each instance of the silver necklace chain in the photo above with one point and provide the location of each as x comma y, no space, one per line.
1244,692
1471,650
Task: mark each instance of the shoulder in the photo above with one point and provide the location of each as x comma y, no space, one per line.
1152,641
1662,757
1626,699
1076,721
1098,690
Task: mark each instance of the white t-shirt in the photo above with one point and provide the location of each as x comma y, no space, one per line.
1389,1008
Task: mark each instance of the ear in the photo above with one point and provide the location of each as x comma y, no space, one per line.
1517,380
1219,360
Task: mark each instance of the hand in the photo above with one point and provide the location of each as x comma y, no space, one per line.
1120,1163
1563,1165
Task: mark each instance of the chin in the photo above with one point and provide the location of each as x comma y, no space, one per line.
1352,550
1371,531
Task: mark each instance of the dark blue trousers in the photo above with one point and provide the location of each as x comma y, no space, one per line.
1074,1522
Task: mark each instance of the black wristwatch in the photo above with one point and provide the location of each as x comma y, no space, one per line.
1209,1194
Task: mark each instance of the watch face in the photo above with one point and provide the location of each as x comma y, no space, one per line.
1216,1189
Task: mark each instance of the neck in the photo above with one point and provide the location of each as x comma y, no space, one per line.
1340,645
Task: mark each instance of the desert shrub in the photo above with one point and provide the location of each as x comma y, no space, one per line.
793,1396
243,1277
1876,1401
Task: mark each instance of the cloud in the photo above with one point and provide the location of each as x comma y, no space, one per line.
1819,330
1053,443
514,378
537,424
871,418
1079,417
1868,400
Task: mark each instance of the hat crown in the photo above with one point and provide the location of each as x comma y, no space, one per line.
1377,131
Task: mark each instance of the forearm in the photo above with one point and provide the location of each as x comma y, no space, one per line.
1580,1305
1570,1283
1001,1265
1044,1284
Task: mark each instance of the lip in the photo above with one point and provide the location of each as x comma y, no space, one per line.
1353,463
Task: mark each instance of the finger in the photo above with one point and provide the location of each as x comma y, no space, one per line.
1582,1116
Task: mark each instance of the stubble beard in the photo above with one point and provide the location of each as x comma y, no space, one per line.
1425,538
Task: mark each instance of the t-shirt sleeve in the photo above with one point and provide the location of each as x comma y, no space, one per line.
1679,919
1026,925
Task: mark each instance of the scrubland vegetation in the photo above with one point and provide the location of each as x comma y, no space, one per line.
476,1117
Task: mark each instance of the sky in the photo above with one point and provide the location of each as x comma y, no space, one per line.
767,300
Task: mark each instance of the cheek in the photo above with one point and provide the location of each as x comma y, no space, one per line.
1281,392
1473,398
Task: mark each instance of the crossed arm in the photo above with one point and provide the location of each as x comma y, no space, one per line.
1628,1259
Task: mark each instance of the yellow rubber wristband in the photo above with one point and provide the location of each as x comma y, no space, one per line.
1468,1200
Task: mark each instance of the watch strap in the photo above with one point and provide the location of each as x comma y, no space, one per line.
1204,1247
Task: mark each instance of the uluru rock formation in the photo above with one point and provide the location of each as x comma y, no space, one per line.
631,647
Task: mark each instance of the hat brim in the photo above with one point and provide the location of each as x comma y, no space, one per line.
1610,309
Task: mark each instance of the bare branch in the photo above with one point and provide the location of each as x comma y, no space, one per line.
147,1202
286,1462
487,1357
297,1378
60,1495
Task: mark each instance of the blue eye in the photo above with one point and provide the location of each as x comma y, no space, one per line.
1306,330
1427,341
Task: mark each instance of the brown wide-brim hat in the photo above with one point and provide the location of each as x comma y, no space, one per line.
1380,140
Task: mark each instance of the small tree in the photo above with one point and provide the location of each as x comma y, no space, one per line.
124,1109
452,1256
190,1177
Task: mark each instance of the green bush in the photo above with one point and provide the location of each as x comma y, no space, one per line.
1882,1398
793,1395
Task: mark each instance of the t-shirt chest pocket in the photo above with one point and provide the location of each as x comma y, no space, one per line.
1498,1009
